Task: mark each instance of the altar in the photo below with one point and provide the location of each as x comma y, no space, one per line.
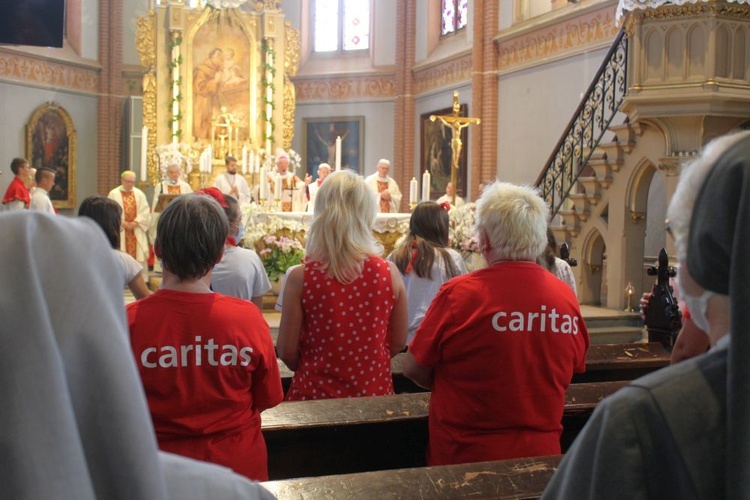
388,228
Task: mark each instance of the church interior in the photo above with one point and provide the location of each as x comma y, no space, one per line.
597,103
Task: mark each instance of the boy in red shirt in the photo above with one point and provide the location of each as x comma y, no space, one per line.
206,360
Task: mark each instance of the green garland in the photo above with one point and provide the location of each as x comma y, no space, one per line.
173,65
269,68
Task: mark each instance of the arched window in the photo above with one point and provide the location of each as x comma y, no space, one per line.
341,26
454,16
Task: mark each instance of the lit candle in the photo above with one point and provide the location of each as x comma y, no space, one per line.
144,157
338,153
426,185
277,188
263,184
413,190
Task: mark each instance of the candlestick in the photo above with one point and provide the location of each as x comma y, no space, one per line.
338,153
277,188
426,185
144,157
263,181
413,190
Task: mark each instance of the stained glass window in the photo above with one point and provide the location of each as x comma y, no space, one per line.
341,25
454,16
356,24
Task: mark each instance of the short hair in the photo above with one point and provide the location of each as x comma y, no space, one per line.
513,220
428,236
107,213
340,236
325,166
232,210
692,178
127,172
384,162
42,173
229,158
190,236
16,164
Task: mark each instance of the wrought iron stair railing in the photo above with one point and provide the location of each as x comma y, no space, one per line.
587,127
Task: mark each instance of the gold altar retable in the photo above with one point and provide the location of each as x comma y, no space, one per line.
212,68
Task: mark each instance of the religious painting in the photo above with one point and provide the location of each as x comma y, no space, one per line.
436,153
51,143
319,143
221,80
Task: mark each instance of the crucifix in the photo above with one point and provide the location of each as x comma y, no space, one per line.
456,123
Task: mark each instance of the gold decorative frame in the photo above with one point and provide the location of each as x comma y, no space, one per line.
51,142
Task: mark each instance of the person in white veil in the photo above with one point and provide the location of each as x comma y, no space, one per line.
74,422
683,431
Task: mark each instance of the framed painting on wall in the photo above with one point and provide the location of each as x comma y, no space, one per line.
51,143
436,153
319,143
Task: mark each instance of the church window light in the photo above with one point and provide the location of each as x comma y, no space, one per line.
351,19
454,16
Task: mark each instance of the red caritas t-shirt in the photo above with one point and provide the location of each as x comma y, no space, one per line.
209,368
504,343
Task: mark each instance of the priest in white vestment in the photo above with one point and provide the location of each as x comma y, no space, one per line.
448,197
173,184
293,189
232,183
385,187
135,218
323,170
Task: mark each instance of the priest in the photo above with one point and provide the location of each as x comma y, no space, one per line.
231,183
173,184
293,189
135,219
385,187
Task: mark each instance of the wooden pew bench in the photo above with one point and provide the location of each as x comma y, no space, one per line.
603,363
517,478
339,436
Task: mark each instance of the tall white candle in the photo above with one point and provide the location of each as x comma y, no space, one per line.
277,188
413,190
144,156
426,185
263,180
338,153
257,162
244,160
251,162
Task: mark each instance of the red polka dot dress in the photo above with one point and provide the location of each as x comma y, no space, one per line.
344,342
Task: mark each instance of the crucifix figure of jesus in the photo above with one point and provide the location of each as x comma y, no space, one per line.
456,123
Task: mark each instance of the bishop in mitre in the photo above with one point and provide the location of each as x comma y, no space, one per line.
293,189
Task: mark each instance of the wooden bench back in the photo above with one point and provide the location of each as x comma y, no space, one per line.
338,436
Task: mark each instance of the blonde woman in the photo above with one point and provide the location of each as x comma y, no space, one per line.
344,311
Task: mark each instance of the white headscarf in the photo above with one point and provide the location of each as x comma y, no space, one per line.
74,422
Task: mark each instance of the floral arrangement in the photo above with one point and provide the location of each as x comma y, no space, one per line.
279,254
259,224
462,236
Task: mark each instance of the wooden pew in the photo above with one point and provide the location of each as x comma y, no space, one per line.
340,436
518,478
603,362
